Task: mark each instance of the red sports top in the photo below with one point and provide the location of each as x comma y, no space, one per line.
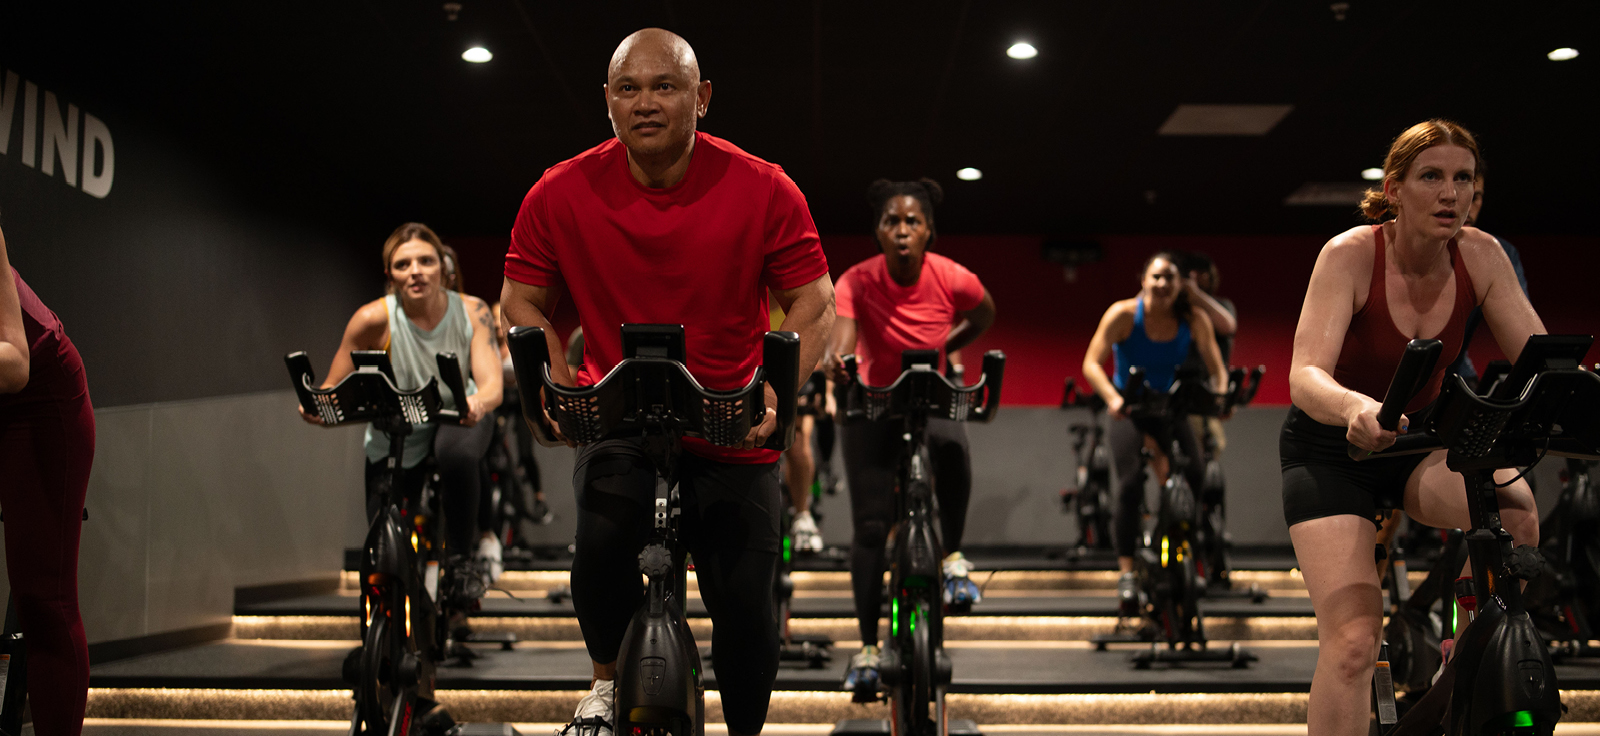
701,253
53,363
1373,345
891,318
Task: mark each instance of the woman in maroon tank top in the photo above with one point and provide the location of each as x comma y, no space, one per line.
1374,288
46,448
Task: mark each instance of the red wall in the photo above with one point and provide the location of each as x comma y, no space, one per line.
1045,322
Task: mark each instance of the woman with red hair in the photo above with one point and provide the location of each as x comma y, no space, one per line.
1418,273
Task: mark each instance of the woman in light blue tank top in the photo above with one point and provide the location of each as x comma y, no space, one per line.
1152,331
418,319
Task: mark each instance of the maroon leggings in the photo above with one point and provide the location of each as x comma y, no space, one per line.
46,448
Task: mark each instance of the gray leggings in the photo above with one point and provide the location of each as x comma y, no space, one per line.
1126,438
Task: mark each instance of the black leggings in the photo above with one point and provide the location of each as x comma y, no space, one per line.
1126,439
458,453
871,461
730,524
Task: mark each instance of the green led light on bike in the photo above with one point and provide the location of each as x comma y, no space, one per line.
894,617
1519,719
913,620
788,544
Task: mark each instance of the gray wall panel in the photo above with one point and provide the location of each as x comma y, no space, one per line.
190,500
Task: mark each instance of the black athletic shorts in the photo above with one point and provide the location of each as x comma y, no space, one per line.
1320,479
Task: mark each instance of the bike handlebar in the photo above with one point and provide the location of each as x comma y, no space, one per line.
369,393
921,387
645,391
1557,412
1415,364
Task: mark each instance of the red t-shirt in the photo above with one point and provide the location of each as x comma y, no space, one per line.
702,253
891,318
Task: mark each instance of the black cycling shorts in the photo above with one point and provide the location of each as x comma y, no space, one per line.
1320,479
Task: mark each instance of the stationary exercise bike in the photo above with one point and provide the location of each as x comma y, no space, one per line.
1500,679
1089,499
1167,566
650,395
407,596
914,668
1211,537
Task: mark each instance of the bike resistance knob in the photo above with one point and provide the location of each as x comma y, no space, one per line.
1524,562
655,561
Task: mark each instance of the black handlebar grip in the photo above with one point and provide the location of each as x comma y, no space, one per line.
994,373
780,360
853,410
301,375
529,356
1067,399
1249,394
450,374
1415,364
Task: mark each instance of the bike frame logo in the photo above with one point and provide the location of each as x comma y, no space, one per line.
88,161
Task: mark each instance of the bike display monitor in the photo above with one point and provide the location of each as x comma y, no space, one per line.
654,341
1542,353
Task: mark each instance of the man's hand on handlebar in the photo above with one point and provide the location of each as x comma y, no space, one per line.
555,427
1117,407
769,422
1364,431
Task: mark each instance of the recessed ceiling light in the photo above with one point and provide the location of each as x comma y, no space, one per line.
969,174
1563,54
1022,50
477,55
1372,174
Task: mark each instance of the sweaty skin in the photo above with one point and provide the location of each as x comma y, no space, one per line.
13,337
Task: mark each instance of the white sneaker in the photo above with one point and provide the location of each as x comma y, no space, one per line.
488,559
594,712
807,539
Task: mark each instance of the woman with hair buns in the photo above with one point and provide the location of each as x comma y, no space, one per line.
1415,274
904,299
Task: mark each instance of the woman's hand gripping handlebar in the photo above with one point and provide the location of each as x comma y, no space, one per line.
1375,428
725,418
369,393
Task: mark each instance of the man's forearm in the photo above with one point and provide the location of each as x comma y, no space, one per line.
811,316
520,312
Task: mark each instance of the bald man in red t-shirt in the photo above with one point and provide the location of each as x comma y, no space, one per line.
664,224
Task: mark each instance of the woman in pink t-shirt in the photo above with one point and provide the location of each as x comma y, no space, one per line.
905,299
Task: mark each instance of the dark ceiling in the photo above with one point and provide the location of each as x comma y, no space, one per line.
363,114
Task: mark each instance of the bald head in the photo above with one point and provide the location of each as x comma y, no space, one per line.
655,97
655,45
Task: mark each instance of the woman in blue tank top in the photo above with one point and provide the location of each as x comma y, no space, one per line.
1152,331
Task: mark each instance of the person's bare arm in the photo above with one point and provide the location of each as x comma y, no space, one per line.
1324,319
1505,306
974,322
841,342
1115,326
367,330
526,305
14,356
809,311
1205,339
1222,320
485,360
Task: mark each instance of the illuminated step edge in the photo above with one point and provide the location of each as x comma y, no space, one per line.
995,628
787,707
539,581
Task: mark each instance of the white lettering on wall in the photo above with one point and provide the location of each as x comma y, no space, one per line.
60,136
97,135
60,140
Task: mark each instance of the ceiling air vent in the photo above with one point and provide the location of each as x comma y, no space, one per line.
1224,119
